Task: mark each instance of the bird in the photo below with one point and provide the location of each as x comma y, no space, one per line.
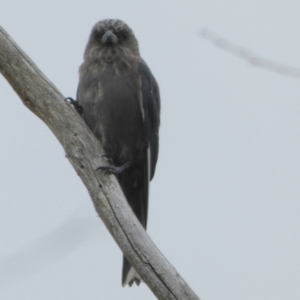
119,100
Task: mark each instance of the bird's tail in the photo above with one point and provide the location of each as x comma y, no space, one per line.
129,274
135,185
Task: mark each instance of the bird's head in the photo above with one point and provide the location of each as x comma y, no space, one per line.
111,36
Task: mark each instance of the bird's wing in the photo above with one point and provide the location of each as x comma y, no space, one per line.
151,105
151,112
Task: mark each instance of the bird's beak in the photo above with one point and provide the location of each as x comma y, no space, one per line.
109,38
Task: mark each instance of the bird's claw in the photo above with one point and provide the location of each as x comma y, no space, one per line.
75,104
108,170
113,169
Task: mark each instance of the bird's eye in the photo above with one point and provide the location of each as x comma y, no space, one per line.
124,34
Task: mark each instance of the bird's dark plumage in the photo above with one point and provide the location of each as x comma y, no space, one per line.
121,105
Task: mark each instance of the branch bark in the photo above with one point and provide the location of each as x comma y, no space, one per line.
84,152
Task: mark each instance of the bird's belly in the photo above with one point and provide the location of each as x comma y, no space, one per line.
120,114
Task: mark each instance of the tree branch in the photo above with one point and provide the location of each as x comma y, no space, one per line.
249,56
84,153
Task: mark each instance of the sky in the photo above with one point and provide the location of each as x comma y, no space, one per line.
224,202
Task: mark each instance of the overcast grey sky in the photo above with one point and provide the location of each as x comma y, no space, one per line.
224,203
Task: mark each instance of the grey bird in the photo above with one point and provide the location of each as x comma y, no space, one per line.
120,103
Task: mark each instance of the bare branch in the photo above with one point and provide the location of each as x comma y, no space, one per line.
84,152
249,56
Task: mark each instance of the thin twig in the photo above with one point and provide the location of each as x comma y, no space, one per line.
249,56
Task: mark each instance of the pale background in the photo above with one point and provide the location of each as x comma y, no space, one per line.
224,204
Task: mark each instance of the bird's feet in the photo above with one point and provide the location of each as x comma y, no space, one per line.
113,169
75,104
